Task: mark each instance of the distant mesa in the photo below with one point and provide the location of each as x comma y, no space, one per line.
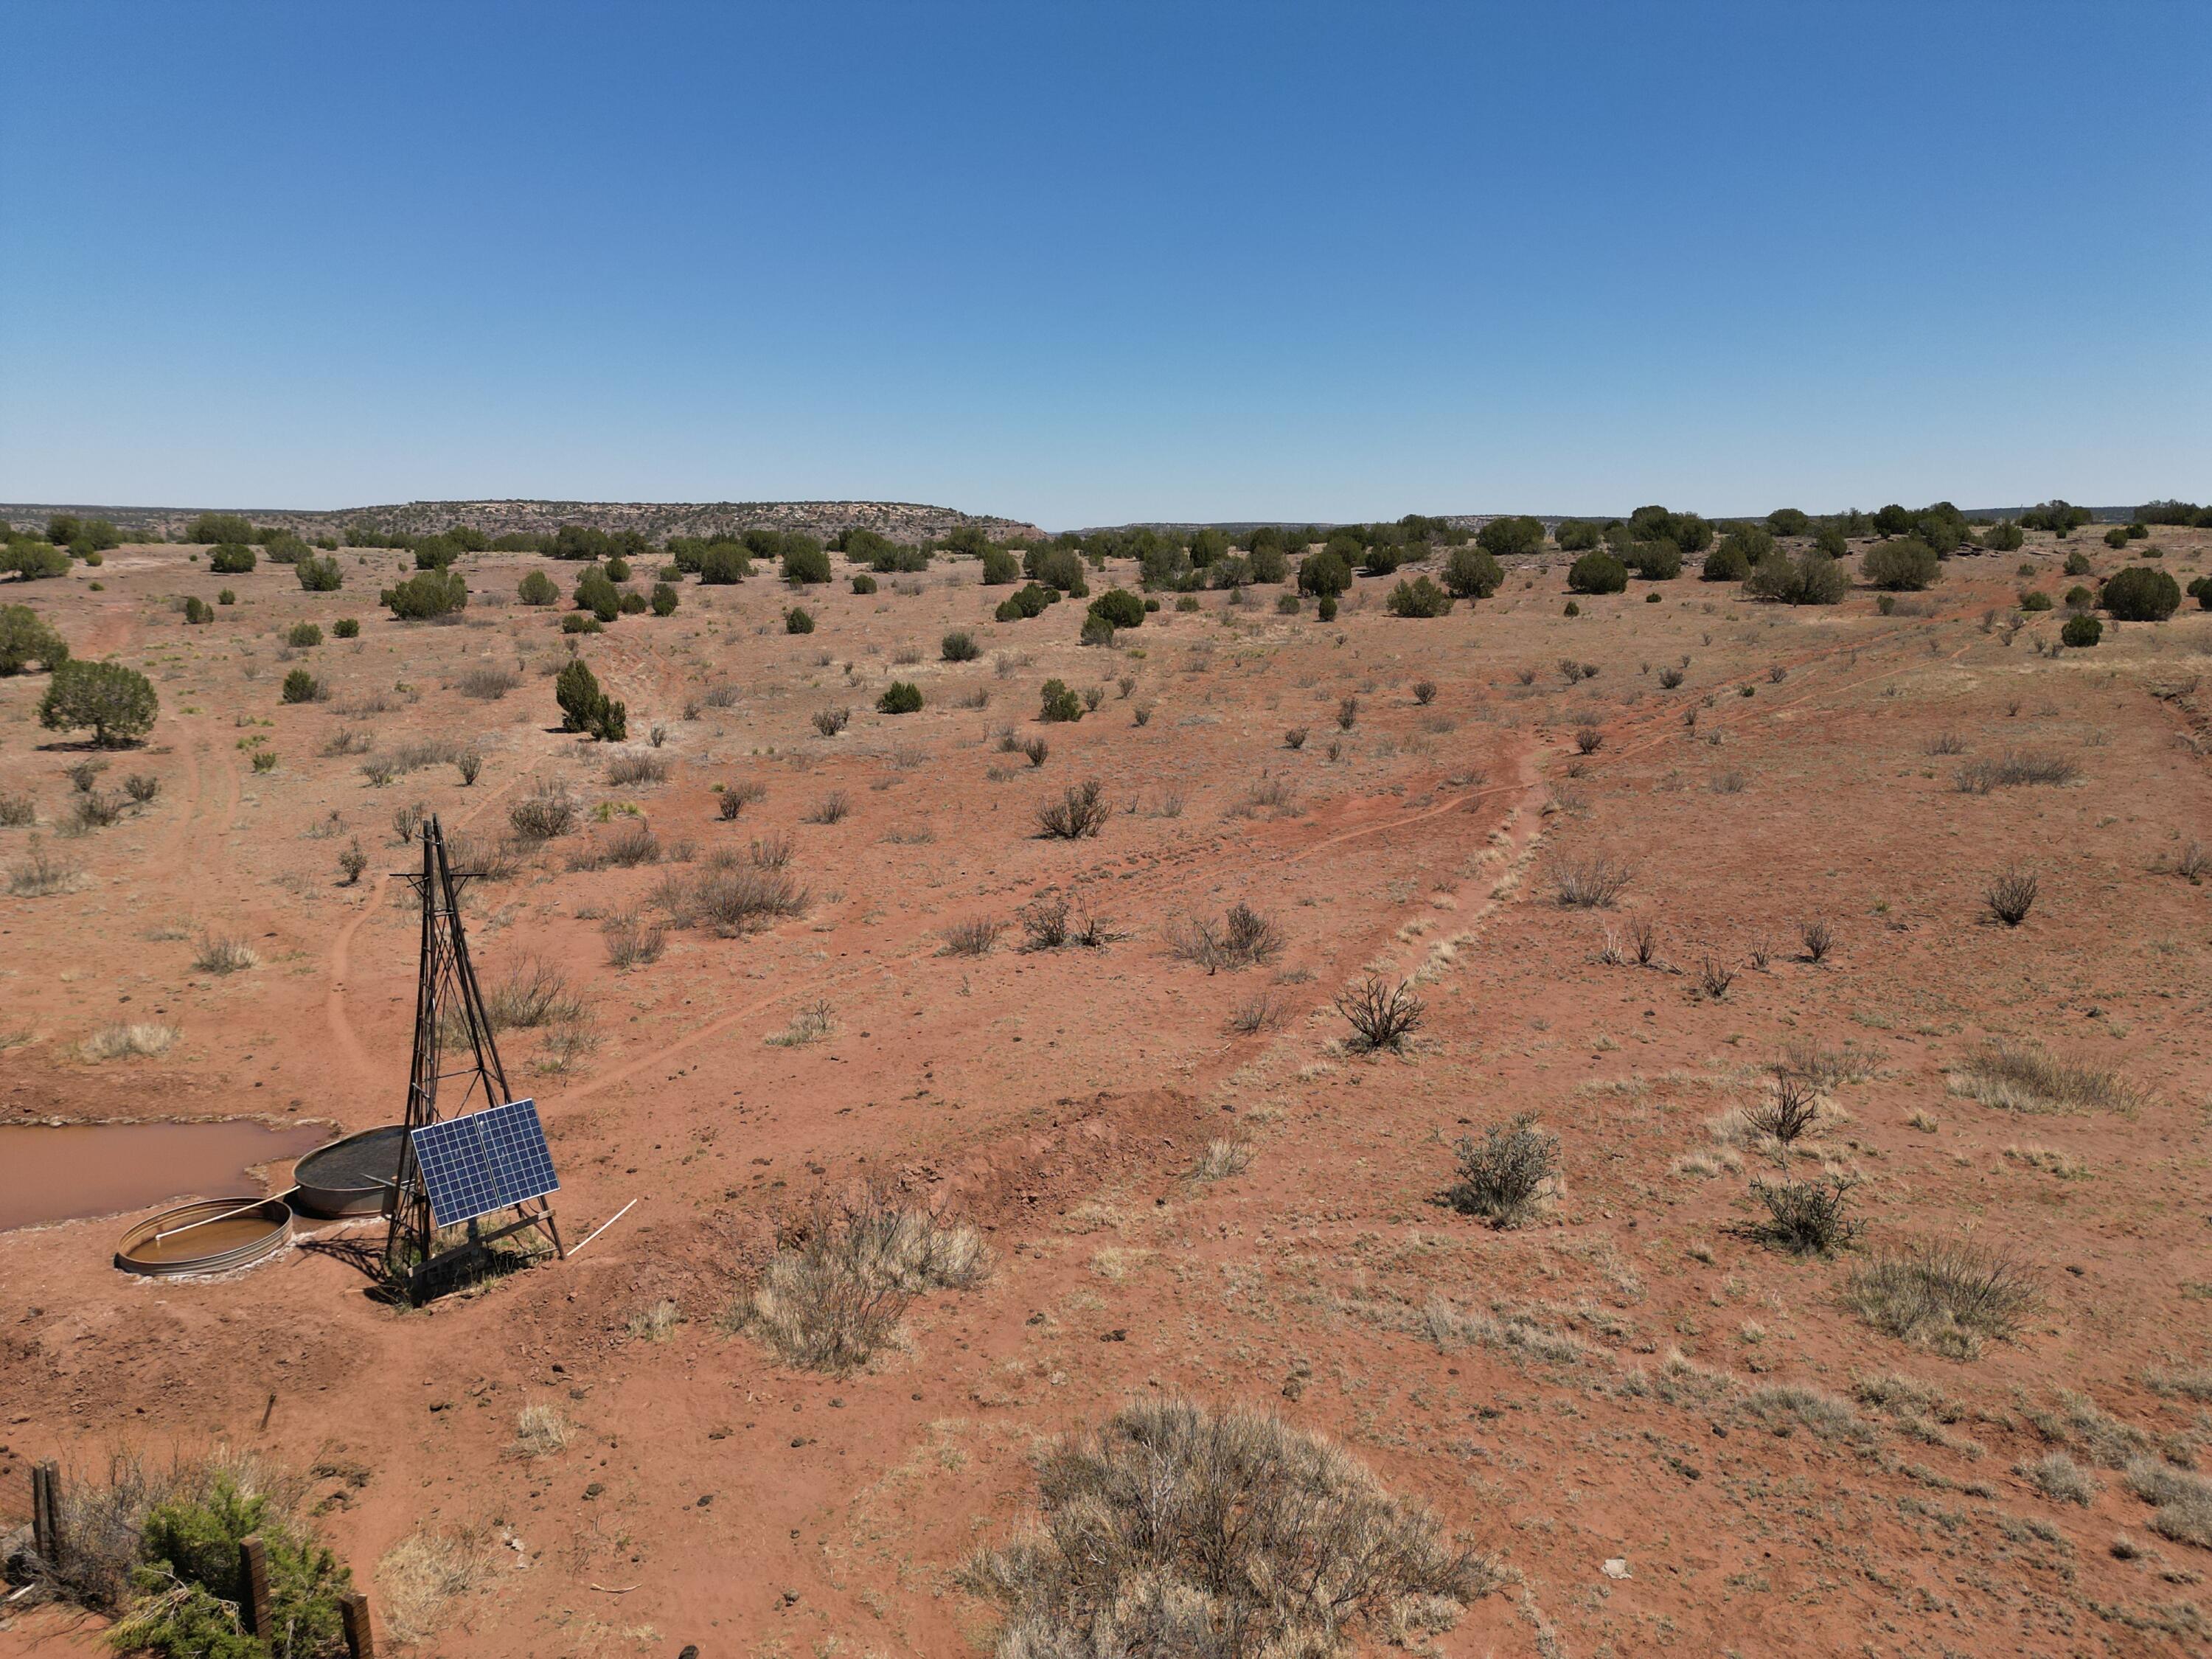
901,521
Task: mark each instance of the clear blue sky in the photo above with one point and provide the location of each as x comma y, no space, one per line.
1084,264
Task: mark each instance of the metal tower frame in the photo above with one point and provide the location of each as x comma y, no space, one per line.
446,980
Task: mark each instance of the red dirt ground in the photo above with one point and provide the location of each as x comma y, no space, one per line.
1059,1100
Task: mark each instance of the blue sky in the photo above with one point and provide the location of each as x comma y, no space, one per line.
1084,264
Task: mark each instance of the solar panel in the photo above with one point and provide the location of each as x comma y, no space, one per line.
484,1161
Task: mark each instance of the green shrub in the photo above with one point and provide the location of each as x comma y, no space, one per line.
2079,598
225,597
2004,537
2035,600
1904,565
665,599
1657,561
1505,538
231,559
1811,578
212,527
1419,598
2200,590
1727,562
1058,568
796,621
2081,632
1327,609
1118,607
303,636
2137,594
1325,574
725,564
1058,703
33,561
188,1589
2077,563
635,605
1788,521
864,583
1267,564
902,698
117,702
1470,573
999,568
2117,537
436,552
319,573
427,595
346,627
805,561
535,587
1028,600
582,622
1597,572
617,569
1576,535
1829,539
1286,605
198,610
301,686
1383,559
596,593
959,645
585,707
25,638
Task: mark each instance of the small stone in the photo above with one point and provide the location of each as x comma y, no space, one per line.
1616,1568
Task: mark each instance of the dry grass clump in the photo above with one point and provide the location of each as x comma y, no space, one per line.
1590,884
1243,938
2183,1500
1828,1068
425,1573
656,1322
2081,1422
1221,1159
1508,1176
729,899
546,812
2059,1478
632,844
631,942
39,874
1785,1406
1946,1295
487,685
2194,1383
540,1430
2012,770
1454,1331
842,1277
2014,1077
17,811
127,1042
531,993
832,808
974,937
636,766
810,1024
222,954
1173,1530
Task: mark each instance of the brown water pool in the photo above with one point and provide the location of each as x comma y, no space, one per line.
58,1174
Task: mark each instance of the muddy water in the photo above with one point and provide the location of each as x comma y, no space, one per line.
49,1174
209,1238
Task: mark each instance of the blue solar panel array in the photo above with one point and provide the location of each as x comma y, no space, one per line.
484,1161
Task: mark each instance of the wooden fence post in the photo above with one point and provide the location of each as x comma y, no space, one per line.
359,1637
39,1543
254,1585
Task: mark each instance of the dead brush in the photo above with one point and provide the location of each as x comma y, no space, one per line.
1175,1530
1589,883
1788,1112
1243,938
1714,979
974,937
39,874
632,942
830,721
1036,750
1509,1174
1255,1014
547,812
1221,1159
533,992
730,899
1807,1217
1818,935
833,808
1081,813
2015,770
2192,863
1588,740
844,1273
2010,895
220,953
1946,1295
1381,1015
